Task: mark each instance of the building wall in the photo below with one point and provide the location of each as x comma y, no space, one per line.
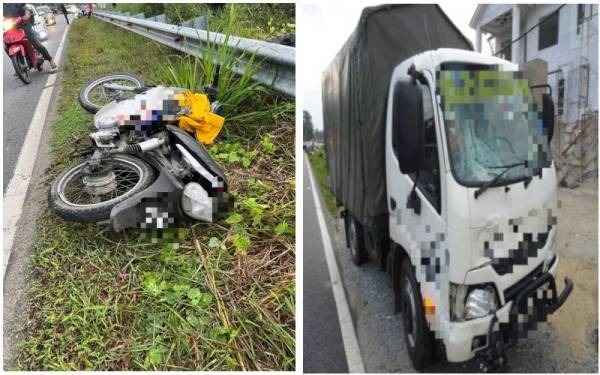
566,54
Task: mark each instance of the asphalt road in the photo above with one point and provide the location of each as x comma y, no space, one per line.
19,104
20,101
380,332
323,346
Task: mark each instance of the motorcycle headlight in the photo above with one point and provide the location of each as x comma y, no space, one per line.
196,203
480,302
7,24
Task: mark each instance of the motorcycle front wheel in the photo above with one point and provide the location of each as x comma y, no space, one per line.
21,68
93,95
73,198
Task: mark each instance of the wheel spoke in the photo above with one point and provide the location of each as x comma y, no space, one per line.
126,178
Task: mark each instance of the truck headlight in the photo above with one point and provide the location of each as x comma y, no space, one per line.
480,302
196,203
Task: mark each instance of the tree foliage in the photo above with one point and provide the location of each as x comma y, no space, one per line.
308,127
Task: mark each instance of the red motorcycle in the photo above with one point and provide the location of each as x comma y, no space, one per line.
22,54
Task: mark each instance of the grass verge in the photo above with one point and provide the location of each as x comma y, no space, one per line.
256,21
319,168
224,300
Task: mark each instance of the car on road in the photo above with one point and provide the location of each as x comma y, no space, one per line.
72,8
45,12
39,25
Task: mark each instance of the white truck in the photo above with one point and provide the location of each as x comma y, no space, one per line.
440,160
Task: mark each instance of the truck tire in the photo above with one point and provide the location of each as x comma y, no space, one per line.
419,339
356,240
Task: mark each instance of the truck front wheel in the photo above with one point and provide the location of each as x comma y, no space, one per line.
356,241
419,339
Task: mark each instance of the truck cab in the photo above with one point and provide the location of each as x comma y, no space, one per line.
472,201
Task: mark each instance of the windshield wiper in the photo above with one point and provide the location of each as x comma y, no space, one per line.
507,168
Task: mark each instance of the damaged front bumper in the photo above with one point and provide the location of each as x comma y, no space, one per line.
488,337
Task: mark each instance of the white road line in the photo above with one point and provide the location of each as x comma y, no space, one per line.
353,356
19,184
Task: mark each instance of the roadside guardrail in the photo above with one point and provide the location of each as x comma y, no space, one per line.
278,62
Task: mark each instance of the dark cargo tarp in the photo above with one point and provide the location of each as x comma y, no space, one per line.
355,88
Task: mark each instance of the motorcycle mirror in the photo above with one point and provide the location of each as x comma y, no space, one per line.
211,91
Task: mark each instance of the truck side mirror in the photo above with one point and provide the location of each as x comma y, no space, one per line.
547,110
548,115
408,138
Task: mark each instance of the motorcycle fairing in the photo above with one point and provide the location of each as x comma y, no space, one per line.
163,195
166,190
13,49
14,36
196,148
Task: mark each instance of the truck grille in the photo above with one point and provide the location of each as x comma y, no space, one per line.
511,292
527,249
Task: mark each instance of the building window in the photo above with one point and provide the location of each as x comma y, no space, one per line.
548,31
580,16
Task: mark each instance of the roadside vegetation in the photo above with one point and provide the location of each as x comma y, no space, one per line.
319,168
224,299
256,21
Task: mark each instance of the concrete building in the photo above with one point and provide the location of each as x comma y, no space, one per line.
566,37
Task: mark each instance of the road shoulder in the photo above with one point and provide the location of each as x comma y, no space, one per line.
16,278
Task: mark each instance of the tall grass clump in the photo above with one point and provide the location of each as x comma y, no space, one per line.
196,73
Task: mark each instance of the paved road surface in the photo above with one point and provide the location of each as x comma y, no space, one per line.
323,346
20,101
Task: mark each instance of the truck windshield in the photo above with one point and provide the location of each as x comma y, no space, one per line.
491,121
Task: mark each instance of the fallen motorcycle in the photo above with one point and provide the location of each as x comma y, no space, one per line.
142,169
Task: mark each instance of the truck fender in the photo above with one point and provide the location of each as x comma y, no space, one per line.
346,217
394,265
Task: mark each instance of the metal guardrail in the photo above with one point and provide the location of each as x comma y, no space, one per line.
277,62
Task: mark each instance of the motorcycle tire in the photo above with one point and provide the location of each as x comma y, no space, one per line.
95,212
84,93
20,65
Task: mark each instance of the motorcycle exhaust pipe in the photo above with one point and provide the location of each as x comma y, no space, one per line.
145,146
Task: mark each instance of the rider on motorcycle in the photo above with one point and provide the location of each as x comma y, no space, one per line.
19,10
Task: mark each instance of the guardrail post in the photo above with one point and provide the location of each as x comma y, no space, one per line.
196,23
160,18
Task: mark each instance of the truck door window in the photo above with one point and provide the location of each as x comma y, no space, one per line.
429,175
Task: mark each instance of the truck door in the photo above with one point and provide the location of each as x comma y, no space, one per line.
423,235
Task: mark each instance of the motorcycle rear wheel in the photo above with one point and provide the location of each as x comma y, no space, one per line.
70,200
92,95
21,68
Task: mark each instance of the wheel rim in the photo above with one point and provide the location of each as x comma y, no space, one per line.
71,188
96,94
21,67
352,234
409,313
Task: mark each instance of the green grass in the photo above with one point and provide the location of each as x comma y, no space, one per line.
319,168
223,300
256,21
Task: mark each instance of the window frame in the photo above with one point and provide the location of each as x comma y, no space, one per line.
436,202
545,21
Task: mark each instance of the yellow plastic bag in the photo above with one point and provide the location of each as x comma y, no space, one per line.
201,120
